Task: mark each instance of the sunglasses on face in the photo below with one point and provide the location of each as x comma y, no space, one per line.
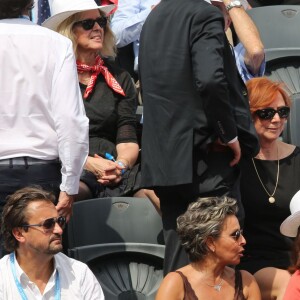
237,234
49,224
88,24
269,113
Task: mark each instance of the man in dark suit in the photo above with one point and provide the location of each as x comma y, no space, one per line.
196,114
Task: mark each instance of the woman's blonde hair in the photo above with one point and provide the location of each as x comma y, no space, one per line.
109,44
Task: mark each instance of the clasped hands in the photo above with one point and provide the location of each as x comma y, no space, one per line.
107,172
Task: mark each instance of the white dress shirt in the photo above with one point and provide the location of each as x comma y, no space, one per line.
77,281
41,112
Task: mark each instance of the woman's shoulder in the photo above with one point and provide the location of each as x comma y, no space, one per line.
273,279
247,277
172,286
288,150
250,287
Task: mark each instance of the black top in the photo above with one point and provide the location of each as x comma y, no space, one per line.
112,116
266,246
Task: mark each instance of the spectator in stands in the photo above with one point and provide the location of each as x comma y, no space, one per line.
127,24
109,98
249,52
211,234
290,228
44,140
35,268
196,114
268,183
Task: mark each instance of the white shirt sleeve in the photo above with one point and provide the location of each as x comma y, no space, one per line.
90,287
70,122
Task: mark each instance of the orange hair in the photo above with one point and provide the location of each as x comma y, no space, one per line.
262,92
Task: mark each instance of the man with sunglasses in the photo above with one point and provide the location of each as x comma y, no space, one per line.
35,269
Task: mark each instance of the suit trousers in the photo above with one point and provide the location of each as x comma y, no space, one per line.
16,176
219,179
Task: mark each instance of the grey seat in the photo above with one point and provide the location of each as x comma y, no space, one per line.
121,240
279,27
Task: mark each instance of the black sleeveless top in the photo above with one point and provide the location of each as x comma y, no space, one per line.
189,293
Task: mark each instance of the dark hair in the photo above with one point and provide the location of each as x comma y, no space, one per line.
295,254
14,8
14,212
203,218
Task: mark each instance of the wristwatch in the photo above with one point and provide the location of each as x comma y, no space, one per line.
232,4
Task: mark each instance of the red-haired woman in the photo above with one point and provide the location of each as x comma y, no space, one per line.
268,183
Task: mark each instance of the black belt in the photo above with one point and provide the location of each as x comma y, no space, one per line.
27,161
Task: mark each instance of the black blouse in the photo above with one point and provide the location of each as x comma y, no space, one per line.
112,116
266,246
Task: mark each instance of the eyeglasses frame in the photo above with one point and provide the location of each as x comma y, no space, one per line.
56,221
97,20
274,111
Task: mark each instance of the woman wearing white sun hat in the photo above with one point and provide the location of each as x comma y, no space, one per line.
290,227
109,97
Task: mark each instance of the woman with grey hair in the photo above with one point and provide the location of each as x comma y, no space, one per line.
212,237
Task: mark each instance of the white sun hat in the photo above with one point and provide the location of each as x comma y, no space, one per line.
63,9
290,225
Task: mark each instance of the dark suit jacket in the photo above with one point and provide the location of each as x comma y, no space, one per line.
191,90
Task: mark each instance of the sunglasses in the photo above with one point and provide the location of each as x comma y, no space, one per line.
237,234
269,113
49,224
88,24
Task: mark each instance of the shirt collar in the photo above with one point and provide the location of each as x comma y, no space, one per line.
24,279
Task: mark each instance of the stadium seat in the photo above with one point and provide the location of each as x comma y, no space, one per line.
121,240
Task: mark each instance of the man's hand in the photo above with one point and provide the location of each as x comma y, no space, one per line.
64,205
236,149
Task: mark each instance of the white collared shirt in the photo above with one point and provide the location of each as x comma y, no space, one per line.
41,112
77,281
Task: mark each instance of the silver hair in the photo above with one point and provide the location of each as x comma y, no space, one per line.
204,218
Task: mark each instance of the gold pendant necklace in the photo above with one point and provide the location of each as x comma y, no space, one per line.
271,196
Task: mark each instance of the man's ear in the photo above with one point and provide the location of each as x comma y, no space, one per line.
18,234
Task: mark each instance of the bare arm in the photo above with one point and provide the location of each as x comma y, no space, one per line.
248,35
171,288
251,290
127,156
272,282
128,153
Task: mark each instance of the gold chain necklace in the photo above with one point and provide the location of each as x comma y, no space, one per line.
271,196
